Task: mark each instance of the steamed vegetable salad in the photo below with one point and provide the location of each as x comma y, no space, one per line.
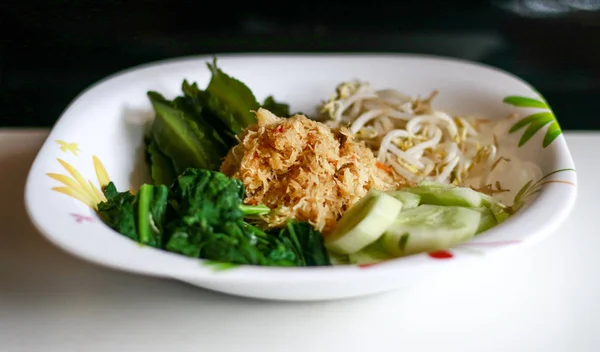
194,210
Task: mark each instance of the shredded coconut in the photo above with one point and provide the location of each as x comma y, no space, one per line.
304,170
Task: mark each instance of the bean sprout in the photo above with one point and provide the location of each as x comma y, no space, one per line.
418,142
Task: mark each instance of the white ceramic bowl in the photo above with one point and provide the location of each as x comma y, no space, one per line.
105,125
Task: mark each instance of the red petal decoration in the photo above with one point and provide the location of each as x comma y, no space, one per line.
368,265
443,254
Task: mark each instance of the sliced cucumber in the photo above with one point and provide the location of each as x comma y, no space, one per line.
373,253
409,200
487,221
441,194
364,223
487,200
497,208
447,195
432,184
430,227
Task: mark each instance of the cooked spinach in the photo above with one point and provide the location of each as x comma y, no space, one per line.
305,241
201,215
151,204
118,211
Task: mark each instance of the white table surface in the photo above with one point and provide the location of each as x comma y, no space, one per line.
546,298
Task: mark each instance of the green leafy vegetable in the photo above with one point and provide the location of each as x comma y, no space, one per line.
198,128
209,221
151,214
279,109
161,167
140,217
307,243
232,93
202,216
213,111
180,137
117,212
250,210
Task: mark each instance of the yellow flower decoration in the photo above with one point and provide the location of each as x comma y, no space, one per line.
68,147
77,187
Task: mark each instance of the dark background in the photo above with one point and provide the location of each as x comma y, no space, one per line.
52,50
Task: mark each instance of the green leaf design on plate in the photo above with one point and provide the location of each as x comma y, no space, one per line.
552,132
530,188
534,126
530,119
525,102
536,121
520,196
